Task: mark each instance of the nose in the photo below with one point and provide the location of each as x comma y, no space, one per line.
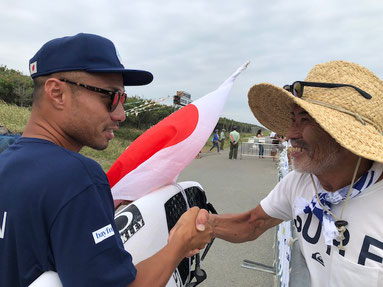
119,113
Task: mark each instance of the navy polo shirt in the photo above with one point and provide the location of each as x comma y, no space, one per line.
56,213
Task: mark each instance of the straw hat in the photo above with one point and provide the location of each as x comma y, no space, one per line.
355,122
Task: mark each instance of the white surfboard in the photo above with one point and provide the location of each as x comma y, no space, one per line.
144,227
47,279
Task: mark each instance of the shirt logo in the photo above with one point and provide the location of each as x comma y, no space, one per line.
316,256
103,233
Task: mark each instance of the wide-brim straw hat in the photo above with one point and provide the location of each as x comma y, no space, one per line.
355,122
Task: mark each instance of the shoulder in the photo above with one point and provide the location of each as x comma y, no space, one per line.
65,163
52,167
296,177
293,184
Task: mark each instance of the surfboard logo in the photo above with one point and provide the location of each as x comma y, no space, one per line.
177,278
129,222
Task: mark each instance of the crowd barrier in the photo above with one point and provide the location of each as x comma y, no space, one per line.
253,147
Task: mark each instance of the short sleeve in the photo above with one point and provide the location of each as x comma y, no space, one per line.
86,245
277,203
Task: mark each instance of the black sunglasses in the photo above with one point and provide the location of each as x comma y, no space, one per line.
296,88
115,96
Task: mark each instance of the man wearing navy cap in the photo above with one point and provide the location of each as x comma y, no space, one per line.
56,209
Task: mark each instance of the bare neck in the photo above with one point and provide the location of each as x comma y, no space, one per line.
341,175
44,128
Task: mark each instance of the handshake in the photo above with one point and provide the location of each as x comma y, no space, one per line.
192,232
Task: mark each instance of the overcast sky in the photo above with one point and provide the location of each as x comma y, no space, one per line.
194,45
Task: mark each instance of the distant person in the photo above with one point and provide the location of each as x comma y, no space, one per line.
215,141
222,138
56,207
261,141
234,141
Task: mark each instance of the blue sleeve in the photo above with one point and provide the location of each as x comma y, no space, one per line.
87,248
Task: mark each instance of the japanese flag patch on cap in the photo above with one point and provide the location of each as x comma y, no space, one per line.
33,68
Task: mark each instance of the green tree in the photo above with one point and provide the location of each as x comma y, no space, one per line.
143,114
15,88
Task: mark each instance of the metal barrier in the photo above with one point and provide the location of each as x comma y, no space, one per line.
253,148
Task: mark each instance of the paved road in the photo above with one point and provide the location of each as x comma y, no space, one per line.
235,186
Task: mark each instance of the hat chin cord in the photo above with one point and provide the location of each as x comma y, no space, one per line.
339,223
360,118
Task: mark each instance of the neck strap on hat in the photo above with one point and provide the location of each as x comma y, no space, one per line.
360,118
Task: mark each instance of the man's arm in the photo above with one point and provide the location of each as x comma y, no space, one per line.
242,227
184,238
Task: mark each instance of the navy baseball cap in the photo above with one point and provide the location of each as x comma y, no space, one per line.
84,52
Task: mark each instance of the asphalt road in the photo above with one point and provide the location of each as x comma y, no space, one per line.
235,186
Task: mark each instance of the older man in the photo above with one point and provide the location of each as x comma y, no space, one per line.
334,120
56,209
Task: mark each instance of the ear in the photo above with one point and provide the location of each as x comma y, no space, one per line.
56,93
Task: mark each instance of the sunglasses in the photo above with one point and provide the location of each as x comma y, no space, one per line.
115,96
296,88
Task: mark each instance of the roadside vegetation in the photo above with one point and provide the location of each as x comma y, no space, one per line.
15,106
12,117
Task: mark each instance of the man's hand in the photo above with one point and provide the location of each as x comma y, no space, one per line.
192,231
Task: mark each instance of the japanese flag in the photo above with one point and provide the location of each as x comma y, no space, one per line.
157,157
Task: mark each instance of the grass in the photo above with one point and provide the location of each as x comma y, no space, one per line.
12,117
15,118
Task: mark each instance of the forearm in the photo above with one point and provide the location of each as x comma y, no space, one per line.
242,227
157,270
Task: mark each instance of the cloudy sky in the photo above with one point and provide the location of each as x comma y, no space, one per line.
194,45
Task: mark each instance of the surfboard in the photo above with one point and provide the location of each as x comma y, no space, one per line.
144,227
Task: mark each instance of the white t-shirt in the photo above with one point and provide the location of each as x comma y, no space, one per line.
361,262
